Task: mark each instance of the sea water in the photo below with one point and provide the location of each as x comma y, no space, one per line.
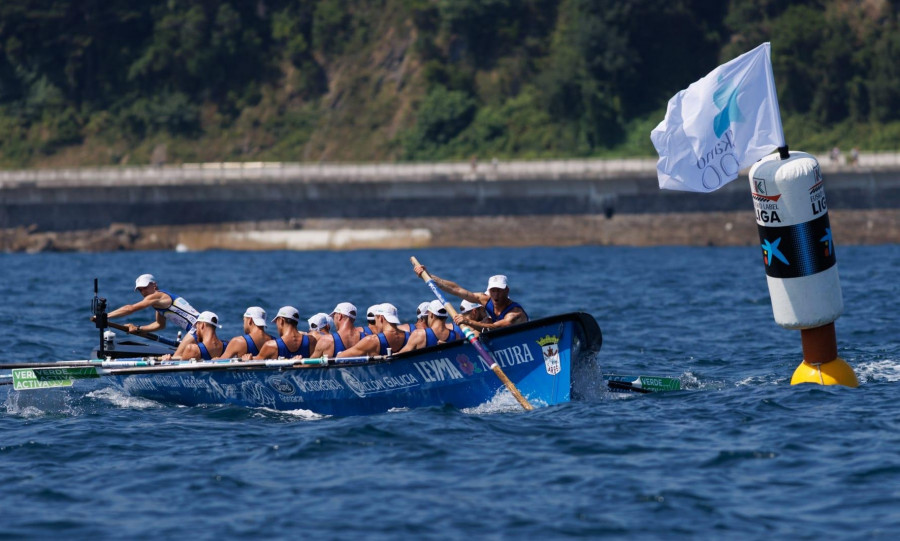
738,453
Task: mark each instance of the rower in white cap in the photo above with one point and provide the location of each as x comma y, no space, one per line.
169,307
437,332
291,342
501,310
208,344
344,334
389,337
248,344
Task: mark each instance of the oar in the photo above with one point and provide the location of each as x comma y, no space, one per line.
147,335
62,375
479,347
641,384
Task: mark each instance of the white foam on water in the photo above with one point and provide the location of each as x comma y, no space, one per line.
872,371
503,402
122,400
302,414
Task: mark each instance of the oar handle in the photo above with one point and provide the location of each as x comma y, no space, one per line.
470,336
147,335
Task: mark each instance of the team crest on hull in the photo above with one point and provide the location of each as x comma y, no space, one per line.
550,349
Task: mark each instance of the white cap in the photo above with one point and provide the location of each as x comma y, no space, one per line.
318,321
497,281
422,309
257,314
346,309
436,308
144,280
389,312
370,313
210,318
288,312
329,321
467,306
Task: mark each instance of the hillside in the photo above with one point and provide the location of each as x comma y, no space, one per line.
119,82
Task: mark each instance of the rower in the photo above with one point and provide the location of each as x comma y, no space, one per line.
291,342
438,331
207,345
501,310
169,307
422,315
390,336
248,344
345,333
473,310
370,328
318,324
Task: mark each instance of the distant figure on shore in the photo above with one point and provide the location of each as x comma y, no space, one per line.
168,306
854,156
501,310
835,155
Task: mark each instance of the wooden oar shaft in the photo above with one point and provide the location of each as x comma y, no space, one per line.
147,335
479,347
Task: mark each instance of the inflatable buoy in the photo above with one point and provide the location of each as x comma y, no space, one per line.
799,257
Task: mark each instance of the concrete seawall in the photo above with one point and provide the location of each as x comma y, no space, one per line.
207,207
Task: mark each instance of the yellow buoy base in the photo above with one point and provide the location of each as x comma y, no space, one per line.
836,372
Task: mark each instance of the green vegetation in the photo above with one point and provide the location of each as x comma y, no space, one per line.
117,81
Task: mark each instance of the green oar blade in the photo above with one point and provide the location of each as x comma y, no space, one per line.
26,379
642,384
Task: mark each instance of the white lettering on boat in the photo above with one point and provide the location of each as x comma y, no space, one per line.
434,370
318,386
511,356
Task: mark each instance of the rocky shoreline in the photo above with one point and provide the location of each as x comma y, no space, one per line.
880,226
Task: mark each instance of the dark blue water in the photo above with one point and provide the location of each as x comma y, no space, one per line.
738,453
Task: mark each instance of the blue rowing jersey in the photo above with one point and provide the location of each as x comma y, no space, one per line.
489,308
302,350
431,339
204,353
339,344
251,346
384,343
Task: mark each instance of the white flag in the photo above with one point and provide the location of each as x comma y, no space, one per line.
719,125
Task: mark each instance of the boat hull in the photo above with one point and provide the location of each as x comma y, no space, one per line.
543,358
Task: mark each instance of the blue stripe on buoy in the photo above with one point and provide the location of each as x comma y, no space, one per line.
798,250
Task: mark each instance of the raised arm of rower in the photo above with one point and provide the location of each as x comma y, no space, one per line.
453,288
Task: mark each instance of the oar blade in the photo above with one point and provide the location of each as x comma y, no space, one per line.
28,379
642,384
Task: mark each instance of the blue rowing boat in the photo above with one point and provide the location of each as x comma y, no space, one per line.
550,360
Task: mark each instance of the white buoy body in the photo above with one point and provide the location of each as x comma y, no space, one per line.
796,241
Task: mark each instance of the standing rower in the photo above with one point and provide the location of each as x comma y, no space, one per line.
168,306
501,310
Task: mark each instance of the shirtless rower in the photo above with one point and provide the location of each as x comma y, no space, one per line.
168,306
344,335
207,345
501,310
437,331
390,335
254,336
291,342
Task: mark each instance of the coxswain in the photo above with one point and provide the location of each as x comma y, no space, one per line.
437,331
169,308
345,334
207,344
291,342
254,336
390,335
501,310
